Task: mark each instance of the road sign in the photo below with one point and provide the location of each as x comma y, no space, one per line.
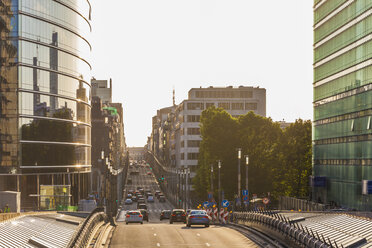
206,204
245,192
265,200
210,196
225,203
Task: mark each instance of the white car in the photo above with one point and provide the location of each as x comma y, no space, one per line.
128,201
150,199
133,216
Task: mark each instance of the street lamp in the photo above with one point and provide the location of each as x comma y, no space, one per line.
212,179
246,176
219,183
239,174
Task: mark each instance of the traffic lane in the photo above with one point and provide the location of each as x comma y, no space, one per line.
159,235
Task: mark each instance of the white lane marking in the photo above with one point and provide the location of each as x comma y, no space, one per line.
157,244
207,244
198,234
154,234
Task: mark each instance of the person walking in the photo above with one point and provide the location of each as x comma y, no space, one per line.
6,209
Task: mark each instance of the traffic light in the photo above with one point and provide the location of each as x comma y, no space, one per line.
162,177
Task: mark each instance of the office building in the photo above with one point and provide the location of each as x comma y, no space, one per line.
45,98
102,89
342,130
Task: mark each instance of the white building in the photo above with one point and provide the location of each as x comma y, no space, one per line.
101,89
185,138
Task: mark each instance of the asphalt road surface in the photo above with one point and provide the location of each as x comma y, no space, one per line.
156,233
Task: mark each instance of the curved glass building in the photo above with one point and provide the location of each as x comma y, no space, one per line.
46,126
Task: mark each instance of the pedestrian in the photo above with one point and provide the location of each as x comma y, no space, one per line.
6,209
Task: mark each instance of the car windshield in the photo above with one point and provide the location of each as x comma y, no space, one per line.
178,212
134,213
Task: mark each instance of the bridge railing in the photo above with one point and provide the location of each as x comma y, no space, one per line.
83,233
277,225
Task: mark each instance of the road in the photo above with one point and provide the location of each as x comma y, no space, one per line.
158,233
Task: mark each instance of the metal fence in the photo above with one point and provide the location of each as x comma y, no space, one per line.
278,226
291,203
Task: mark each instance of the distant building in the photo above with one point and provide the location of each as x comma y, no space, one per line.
136,153
342,128
102,89
185,139
283,124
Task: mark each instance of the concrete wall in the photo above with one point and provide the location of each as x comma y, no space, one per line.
12,198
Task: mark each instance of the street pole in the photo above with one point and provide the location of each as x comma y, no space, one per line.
212,179
186,184
239,174
246,177
219,183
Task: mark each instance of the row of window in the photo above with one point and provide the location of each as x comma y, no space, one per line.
189,156
357,162
224,105
338,140
191,143
344,117
224,94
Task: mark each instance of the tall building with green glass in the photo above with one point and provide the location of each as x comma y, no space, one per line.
342,129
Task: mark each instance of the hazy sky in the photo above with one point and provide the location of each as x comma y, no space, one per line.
150,46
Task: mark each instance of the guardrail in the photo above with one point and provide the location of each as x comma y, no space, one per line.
83,233
278,226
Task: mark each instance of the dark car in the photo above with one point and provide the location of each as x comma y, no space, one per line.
145,214
178,215
134,198
160,194
141,206
162,198
157,192
197,217
165,214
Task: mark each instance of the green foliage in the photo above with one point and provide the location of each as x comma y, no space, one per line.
279,161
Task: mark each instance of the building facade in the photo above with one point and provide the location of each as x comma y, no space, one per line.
185,136
45,107
102,89
342,130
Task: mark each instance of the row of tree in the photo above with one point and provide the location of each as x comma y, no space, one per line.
279,160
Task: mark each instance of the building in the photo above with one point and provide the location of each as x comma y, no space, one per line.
100,88
136,153
342,130
185,136
45,98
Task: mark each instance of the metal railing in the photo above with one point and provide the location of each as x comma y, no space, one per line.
288,203
85,229
273,223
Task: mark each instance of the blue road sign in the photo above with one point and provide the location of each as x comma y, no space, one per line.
210,196
225,203
245,192
206,204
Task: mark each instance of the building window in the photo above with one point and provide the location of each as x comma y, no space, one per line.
237,106
251,106
193,143
224,105
209,104
182,143
182,156
193,118
195,106
192,156
193,131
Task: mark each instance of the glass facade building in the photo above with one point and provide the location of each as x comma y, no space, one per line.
342,128
45,112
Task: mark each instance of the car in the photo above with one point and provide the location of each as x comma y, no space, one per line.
150,199
197,217
128,201
134,198
133,216
160,194
149,173
162,198
129,195
141,200
139,187
148,194
165,214
178,215
141,206
157,192
145,214
131,191
142,191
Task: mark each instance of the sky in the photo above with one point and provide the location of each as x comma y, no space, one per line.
149,47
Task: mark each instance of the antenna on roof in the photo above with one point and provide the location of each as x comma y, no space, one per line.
174,97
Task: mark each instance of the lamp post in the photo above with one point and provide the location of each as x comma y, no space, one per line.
212,179
246,177
219,183
239,174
